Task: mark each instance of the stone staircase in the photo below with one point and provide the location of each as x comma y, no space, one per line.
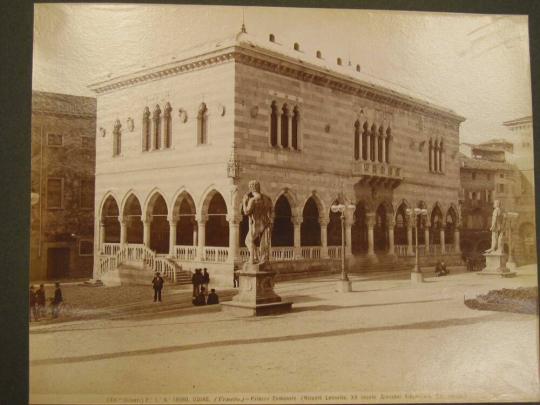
364,264
136,265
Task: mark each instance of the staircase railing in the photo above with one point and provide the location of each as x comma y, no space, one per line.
139,253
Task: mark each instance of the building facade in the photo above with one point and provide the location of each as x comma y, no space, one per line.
178,143
63,164
486,176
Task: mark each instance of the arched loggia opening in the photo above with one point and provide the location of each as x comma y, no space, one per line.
450,227
333,230
109,217
186,225
400,229
380,231
310,230
159,225
283,230
436,225
359,237
217,227
132,216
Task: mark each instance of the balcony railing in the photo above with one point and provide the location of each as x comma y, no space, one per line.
110,249
378,171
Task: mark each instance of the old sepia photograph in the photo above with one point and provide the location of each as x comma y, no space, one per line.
279,205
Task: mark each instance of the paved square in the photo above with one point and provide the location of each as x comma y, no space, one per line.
388,335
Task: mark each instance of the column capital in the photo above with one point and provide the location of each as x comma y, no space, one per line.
390,220
201,218
233,219
297,220
173,219
324,221
370,219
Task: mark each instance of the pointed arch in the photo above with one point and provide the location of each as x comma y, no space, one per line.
127,195
274,124
217,227
357,140
151,199
167,126
132,215
291,198
295,127
206,196
285,113
310,229
380,141
359,229
387,140
178,199
117,138
373,140
105,198
283,228
380,230
430,156
202,124
146,137
365,143
156,136
401,222
109,218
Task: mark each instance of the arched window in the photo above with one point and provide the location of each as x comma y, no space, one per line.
373,135
272,38
117,138
387,145
202,124
167,127
285,126
156,117
283,229
339,61
435,156
430,157
441,156
146,129
273,124
380,140
319,54
296,46
365,135
109,217
358,68
357,140
295,128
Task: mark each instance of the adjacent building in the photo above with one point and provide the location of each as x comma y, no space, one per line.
177,144
62,179
487,175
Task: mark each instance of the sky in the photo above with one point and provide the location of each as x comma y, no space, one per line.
477,65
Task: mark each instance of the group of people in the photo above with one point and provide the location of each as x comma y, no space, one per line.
38,301
474,263
440,269
200,281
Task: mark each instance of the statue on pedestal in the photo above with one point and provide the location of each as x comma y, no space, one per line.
258,208
498,220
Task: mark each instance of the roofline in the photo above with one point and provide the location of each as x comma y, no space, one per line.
237,51
516,121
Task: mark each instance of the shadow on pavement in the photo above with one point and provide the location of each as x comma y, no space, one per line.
445,323
334,307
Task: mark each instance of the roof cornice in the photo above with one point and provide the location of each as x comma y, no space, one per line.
275,62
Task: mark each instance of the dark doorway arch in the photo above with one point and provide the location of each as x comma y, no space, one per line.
436,226
333,230
185,227
109,217
159,225
132,216
400,229
380,230
359,242
217,227
450,226
283,230
310,230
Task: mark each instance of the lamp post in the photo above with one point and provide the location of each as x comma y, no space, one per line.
510,216
344,284
416,275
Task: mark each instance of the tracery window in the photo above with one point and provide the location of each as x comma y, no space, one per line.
156,141
117,138
284,141
273,124
285,126
167,126
202,125
357,140
146,129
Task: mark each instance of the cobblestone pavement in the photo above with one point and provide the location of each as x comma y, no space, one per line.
388,335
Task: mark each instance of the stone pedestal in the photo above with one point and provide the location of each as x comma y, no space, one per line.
256,296
496,265
417,277
344,286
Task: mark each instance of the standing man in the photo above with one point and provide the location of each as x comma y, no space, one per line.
196,280
206,279
57,300
40,300
157,283
33,304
